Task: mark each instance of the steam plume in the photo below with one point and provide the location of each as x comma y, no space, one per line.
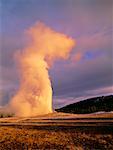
34,96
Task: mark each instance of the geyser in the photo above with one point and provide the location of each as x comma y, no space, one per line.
34,96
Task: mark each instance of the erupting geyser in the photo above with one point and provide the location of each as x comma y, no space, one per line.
34,96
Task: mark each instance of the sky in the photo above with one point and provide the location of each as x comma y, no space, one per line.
88,70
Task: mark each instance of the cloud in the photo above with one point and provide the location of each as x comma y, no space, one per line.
77,57
89,22
92,75
60,101
89,74
93,42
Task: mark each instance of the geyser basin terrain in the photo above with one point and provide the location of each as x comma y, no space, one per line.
34,96
57,131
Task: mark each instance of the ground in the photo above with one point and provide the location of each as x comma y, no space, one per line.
57,131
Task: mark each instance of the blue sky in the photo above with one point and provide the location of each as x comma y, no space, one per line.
87,72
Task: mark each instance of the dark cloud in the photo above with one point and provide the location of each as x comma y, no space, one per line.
89,74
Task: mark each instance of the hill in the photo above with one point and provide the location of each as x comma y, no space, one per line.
96,104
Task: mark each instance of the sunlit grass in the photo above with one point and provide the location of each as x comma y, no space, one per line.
22,138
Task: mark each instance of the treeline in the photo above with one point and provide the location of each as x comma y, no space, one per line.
6,115
103,103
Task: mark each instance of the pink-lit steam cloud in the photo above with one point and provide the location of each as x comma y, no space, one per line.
34,96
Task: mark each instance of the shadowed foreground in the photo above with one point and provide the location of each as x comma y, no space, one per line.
60,132
78,138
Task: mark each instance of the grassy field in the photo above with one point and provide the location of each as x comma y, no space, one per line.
57,132
57,138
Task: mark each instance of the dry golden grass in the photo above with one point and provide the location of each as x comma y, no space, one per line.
18,136
13,138
57,115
